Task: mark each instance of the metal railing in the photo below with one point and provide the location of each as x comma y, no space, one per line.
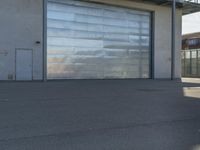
193,1
177,1
191,63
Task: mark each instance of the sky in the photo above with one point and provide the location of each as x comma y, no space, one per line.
191,23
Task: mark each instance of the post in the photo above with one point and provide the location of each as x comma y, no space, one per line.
44,40
173,46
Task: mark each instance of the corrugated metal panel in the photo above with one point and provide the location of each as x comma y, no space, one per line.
87,40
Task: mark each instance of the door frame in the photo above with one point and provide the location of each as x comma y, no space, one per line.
151,41
23,49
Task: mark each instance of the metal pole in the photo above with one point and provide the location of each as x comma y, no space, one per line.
173,48
44,40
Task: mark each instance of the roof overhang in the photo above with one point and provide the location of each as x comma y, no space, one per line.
191,35
188,6
191,6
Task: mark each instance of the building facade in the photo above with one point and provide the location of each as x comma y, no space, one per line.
93,39
191,41
191,55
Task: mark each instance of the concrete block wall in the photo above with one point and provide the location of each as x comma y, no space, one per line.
21,26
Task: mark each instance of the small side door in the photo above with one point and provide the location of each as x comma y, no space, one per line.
24,64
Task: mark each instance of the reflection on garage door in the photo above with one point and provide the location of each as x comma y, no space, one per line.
87,40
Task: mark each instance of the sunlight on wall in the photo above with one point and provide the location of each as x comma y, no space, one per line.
191,80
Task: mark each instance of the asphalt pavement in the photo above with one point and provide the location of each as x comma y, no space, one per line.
100,115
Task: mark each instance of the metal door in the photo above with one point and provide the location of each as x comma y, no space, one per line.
87,40
24,63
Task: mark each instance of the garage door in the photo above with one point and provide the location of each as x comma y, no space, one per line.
95,41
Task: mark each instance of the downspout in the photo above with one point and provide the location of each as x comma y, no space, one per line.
173,42
44,40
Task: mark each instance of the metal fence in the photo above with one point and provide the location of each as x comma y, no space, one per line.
191,63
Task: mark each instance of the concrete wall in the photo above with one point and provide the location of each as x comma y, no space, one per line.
162,36
21,26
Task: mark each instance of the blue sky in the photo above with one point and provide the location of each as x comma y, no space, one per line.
191,23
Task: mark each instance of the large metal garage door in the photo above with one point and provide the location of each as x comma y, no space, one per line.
87,40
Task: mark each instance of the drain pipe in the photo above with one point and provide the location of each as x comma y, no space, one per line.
44,40
173,42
